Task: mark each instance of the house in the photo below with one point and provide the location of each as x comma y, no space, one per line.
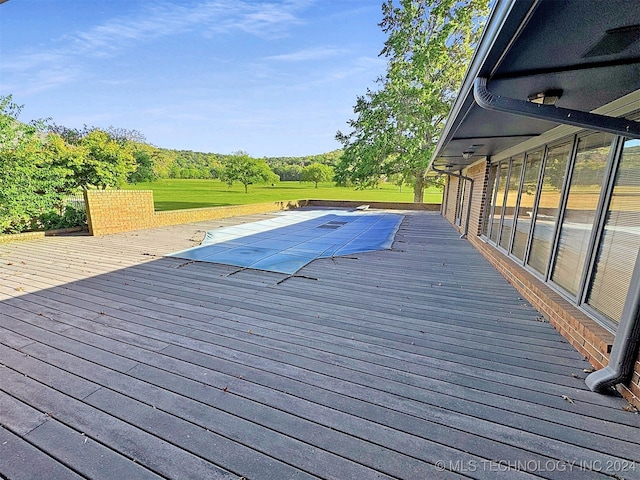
542,156
119,360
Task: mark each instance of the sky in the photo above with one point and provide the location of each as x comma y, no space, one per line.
270,78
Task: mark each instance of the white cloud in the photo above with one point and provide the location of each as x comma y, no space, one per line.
271,18
318,53
220,16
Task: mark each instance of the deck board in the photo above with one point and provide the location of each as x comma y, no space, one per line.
375,365
22,460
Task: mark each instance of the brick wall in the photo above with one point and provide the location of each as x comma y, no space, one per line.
480,175
452,197
178,217
113,211
432,207
634,386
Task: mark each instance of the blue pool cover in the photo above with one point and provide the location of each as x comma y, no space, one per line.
289,242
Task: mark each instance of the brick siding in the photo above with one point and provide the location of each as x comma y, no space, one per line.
452,197
478,173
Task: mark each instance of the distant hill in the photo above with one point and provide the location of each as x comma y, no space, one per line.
169,163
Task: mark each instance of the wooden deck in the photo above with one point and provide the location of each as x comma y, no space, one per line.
417,363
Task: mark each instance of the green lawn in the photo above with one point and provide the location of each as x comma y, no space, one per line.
176,194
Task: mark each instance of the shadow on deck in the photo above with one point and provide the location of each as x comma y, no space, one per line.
414,363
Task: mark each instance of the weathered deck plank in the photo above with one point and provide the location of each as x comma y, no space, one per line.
379,365
21,460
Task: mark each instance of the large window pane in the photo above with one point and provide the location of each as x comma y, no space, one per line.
491,186
548,206
510,204
621,238
527,201
582,201
497,211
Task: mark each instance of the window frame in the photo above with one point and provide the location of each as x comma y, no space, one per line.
577,298
460,197
492,214
614,165
536,202
504,203
564,194
596,235
520,157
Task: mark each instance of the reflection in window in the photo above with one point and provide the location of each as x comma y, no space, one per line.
460,201
527,201
620,240
497,211
510,203
491,185
582,201
548,207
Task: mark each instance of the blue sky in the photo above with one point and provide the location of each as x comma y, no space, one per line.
272,77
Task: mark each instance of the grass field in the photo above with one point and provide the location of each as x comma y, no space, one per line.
176,194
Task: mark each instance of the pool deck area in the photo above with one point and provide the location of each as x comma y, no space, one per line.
419,362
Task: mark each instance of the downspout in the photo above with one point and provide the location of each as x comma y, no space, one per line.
459,175
625,344
627,338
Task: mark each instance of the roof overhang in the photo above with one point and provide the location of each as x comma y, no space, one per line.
588,51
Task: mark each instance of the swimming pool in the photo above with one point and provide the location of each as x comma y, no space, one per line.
290,241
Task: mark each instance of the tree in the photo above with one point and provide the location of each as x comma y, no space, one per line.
246,170
287,172
109,162
317,172
369,146
108,155
429,44
144,167
30,184
67,158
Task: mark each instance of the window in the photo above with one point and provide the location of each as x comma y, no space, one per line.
500,190
491,188
526,203
620,241
548,207
460,201
510,202
589,171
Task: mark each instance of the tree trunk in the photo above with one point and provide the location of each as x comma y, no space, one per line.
418,188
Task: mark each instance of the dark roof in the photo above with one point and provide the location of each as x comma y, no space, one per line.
588,49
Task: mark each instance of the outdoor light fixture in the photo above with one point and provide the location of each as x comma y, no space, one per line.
550,97
467,154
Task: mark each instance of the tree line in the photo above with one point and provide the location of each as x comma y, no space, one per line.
169,163
42,163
